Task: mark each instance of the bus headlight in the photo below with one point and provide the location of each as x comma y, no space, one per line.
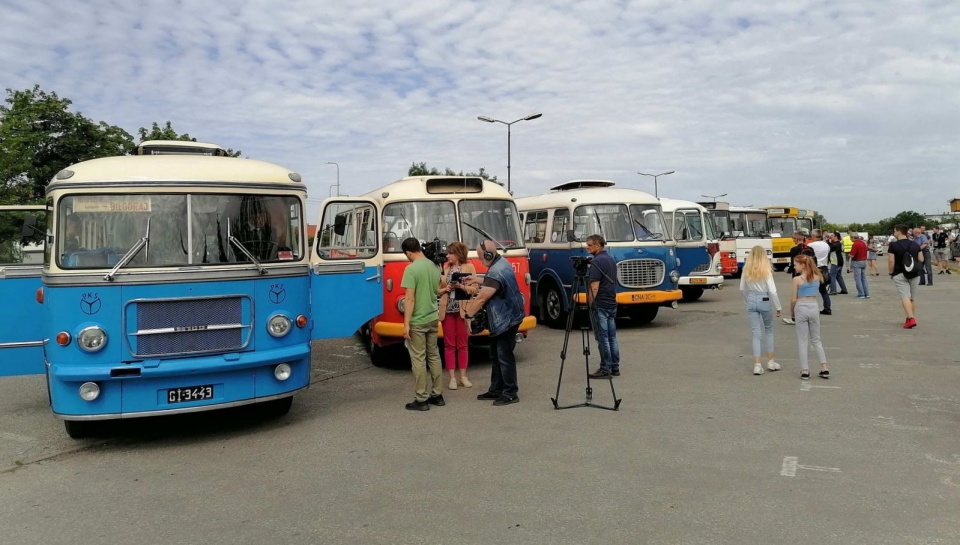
89,391
674,276
91,339
278,325
282,372
400,305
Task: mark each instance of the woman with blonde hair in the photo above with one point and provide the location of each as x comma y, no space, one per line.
452,313
803,304
759,291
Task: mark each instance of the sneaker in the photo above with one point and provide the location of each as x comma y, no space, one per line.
757,369
788,321
436,400
948,271
832,293
824,374
506,400
866,296
773,366
615,372
466,382
417,405
826,312
452,385
844,292
941,272
805,375
601,373
910,323
488,396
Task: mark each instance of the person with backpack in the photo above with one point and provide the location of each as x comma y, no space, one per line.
905,261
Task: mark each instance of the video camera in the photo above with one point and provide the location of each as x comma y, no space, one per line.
581,264
435,250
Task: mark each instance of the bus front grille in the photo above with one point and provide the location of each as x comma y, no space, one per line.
640,273
701,268
169,327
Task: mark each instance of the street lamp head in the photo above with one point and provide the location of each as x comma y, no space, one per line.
532,116
487,119
665,173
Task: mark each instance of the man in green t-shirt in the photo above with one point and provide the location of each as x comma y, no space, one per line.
421,279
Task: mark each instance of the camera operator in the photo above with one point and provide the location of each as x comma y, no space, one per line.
500,295
421,280
602,293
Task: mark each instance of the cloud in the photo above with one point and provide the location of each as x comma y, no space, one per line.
831,107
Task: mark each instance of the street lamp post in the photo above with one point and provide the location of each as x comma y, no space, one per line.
338,178
655,176
714,197
492,120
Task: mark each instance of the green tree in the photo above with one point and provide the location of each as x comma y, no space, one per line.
907,217
39,137
420,169
166,132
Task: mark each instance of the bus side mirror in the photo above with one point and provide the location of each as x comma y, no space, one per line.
29,226
340,225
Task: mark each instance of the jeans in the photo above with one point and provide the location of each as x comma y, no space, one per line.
823,288
860,277
425,352
836,278
503,364
761,320
605,331
926,271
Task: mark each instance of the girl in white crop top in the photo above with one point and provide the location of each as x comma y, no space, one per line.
760,295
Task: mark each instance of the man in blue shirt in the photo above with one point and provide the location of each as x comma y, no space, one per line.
602,294
921,238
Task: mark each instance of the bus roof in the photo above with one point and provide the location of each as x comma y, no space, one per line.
670,205
439,188
174,168
747,209
21,207
582,184
586,195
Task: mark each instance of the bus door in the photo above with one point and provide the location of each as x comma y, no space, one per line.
688,231
22,234
346,267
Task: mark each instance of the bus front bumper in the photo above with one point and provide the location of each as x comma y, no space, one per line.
702,281
395,330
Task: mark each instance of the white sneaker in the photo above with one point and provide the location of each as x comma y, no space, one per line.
788,321
452,385
757,369
773,366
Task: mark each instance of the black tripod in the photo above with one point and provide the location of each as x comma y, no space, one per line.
580,281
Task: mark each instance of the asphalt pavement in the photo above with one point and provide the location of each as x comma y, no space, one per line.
700,452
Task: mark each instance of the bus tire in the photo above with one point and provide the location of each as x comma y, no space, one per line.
691,294
644,314
276,408
377,353
79,429
553,313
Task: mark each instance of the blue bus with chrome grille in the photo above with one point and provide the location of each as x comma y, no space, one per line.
556,226
179,282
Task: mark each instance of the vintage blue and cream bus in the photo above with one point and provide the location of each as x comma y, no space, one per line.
23,231
698,246
177,283
556,226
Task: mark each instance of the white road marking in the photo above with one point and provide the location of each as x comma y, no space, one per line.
887,422
806,387
791,464
869,366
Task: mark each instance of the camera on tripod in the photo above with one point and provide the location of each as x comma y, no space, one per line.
581,264
435,250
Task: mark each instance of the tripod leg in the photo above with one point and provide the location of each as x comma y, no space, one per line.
566,341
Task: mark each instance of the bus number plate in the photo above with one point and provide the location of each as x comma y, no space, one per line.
636,297
194,393
698,280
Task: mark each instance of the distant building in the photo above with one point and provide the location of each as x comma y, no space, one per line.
955,205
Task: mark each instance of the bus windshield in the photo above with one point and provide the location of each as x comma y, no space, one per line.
805,225
96,231
498,218
422,220
748,224
647,222
689,225
610,220
784,226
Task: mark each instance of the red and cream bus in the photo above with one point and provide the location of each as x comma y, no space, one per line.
436,210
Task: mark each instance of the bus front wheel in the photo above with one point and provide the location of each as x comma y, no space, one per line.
691,294
276,408
553,308
644,314
79,430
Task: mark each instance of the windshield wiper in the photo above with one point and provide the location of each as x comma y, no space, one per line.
131,253
244,249
650,234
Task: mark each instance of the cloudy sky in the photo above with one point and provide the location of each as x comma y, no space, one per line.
848,107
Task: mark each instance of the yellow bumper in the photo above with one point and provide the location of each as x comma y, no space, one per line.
641,297
393,329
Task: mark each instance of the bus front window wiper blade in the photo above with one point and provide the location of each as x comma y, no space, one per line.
244,249
144,242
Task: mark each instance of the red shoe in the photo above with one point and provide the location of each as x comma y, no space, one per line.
910,323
